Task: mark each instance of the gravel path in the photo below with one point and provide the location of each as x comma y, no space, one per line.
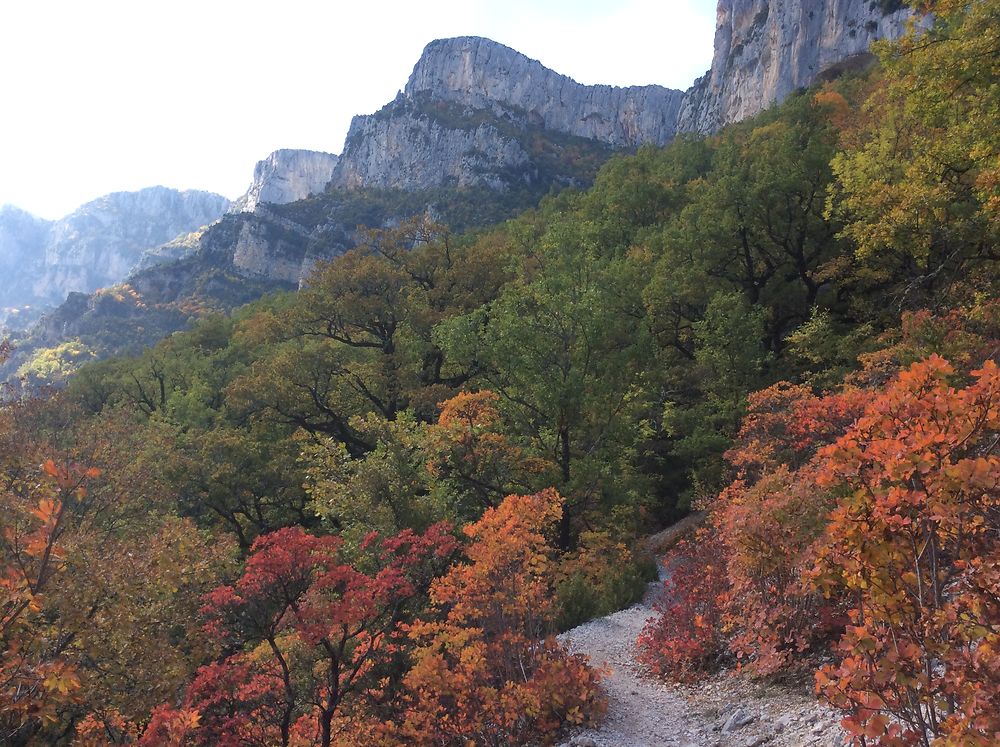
642,712
645,712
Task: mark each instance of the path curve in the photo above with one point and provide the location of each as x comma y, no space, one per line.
643,711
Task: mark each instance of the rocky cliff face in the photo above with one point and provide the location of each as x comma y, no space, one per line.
474,110
477,113
766,49
412,146
477,73
95,246
286,176
22,236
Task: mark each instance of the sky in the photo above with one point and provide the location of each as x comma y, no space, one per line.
99,96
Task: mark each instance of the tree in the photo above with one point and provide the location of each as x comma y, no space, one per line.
729,361
245,480
473,464
34,680
564,347
489,671
913,540
357,339
755,223
312,634
386,490
114,598
685,640
917,184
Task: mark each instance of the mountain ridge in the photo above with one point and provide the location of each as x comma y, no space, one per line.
94,246
479,125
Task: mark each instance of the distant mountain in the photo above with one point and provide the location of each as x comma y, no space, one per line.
479,133
23,239
95,246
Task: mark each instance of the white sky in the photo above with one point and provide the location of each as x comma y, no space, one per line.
98,96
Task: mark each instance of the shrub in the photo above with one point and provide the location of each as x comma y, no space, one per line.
600,577
686,640
490,672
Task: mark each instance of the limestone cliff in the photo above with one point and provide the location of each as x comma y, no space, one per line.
286,176
478,73
477,113
473,111
766,49
411,146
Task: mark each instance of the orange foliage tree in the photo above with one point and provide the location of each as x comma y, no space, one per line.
472,459
35,679
490,672
914,542
865,521
771,518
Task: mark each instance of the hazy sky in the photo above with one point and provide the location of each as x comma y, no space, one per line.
98,96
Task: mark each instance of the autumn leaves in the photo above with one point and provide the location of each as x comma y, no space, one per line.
876,544
330,652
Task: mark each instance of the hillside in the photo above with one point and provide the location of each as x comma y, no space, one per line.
478,134
707,451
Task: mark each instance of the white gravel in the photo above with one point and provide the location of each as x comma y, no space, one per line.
643,711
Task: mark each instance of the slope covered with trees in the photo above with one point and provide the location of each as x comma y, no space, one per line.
358,513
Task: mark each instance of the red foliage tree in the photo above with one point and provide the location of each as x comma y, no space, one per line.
686,640
310,633
738,587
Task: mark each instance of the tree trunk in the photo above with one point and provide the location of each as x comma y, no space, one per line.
565,524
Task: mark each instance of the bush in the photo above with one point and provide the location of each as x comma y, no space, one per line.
599,578
686,640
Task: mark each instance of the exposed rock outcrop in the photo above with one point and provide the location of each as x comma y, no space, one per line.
411,146
473,110
766,49
22,236
286,176
478,73
177,248
267,245
477,113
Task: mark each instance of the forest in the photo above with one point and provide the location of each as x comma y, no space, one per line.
360,513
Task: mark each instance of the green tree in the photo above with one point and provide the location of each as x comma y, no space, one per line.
564,346
919,181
